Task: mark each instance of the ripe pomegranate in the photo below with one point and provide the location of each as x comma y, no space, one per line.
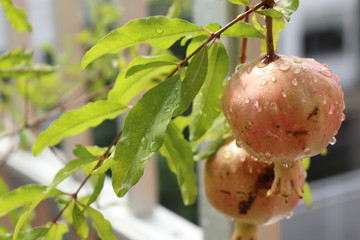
284,111
236,185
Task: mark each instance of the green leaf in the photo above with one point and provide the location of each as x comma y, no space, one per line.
16,16
57,232
68,170
240,2
242,29
306,163
83,153
153,62
101,225
22,196
212,139
143,133
77,121
158,31
307,195
27,71
174,10
271,12
79,222
100,179
126,88
104,166
206,105
194,79
287,7
33,234
180,160
15,57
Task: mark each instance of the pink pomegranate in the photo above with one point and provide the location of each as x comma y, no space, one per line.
236,185
284,111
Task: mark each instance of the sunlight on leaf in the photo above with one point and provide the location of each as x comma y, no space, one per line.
76,121
143,133
16,16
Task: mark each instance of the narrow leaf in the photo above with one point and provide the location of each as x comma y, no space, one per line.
194,79
27,71
271,12
287,8
33,234
174,10
153,62
179,157
15,57
101,225
240,2
57,232
242,29
143,133
100,179
79,222
77,121
22,196
16,16
104,167
126,88
206,105
158,31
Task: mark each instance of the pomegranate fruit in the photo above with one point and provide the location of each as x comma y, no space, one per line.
284,111
236,185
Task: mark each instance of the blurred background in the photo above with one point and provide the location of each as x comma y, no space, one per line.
63,30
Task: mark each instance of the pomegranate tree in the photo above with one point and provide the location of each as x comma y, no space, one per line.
237,185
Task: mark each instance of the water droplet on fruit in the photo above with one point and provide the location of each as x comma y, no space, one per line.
343,117
250,168
284,66
258,107
326,73
247,100
228,155
269,155
303,99
294,82
273,79
290,215
273,106
284,94
331,110
249,122
315,80
263,83
305,69
249,69
325,65
324,101
297,60
239,96
307,151
297,71
238,144
333,141
285,165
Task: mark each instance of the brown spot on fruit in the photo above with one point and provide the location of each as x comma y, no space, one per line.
297,132
314,115
225,192
245,205
265,179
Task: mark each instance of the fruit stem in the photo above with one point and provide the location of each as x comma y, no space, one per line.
244,231
271,55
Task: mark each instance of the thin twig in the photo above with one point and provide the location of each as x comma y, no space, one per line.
244,42
56,110
217,35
